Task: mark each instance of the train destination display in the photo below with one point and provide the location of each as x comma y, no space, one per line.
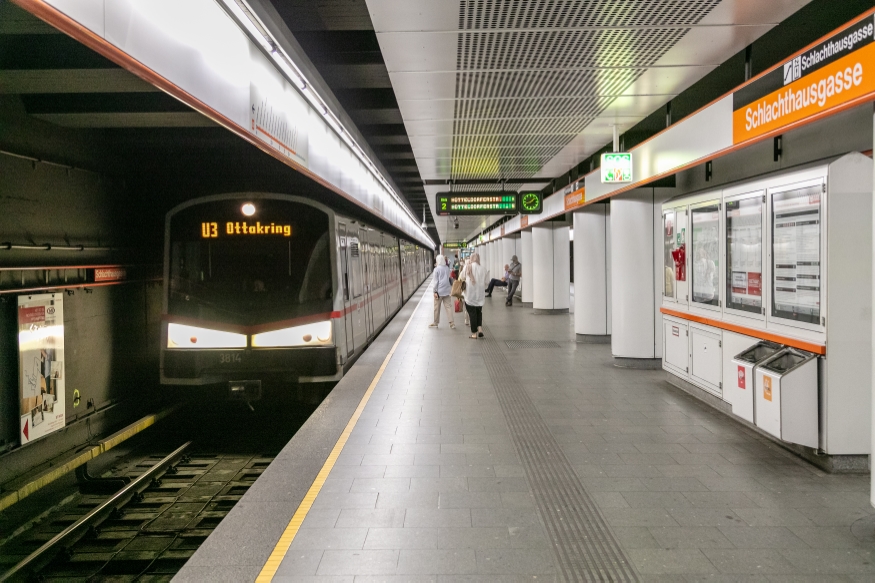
212,231
477,203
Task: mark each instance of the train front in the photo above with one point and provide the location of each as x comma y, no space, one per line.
248,294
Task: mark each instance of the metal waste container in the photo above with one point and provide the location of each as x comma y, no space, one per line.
786,396
742,397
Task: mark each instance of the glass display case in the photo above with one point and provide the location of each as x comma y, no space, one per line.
796,254
705,260
744,253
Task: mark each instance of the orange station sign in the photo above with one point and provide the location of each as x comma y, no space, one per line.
832,73
575,199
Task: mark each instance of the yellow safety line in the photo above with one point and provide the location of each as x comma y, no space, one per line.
285,541
102,446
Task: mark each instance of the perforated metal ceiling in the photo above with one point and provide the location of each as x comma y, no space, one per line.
505,73
520,89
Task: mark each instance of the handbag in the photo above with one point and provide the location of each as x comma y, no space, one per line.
458,306
457,289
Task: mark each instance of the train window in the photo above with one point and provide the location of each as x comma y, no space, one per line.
254,276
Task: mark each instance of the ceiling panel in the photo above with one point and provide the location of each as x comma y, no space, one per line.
494,89
424,85
424,109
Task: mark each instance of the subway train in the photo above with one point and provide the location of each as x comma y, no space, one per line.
276,289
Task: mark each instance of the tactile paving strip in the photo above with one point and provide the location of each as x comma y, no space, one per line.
582,542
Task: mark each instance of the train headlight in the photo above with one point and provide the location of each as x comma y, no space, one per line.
182,336
315,334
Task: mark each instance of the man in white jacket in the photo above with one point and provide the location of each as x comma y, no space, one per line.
442,287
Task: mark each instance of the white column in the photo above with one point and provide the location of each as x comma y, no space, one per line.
527,280
508,250
551,269
635,258
592,315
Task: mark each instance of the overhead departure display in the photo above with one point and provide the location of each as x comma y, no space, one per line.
477,203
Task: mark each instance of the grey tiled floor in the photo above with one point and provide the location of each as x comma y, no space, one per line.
430,488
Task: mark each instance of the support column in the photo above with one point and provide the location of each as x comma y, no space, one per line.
508,250
527,280
551,269
635,261
592,281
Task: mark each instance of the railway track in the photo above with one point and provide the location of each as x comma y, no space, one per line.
182,482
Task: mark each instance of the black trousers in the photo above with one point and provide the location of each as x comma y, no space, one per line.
475,314
494,284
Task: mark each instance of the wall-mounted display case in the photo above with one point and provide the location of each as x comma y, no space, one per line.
785,257
744,217
705,250
796,252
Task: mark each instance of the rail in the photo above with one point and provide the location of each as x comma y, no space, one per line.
50,247
80,528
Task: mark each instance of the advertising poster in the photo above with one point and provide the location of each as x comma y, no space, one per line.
41,365
796,254
744,245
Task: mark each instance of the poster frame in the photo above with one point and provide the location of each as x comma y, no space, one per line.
824,206
765,275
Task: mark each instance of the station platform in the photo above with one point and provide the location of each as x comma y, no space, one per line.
528,456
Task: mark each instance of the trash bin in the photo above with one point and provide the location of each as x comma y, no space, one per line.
786,396
742,397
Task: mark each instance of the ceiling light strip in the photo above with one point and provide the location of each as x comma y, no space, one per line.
249,21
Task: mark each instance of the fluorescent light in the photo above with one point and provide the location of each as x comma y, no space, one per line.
182,336
315,334
246,17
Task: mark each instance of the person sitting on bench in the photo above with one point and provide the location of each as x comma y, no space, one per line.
494,283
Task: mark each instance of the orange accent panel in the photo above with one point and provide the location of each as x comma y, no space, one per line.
800,344
846,79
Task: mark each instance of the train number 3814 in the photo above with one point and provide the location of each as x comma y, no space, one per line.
230,358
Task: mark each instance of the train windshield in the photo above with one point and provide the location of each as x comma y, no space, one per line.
270,265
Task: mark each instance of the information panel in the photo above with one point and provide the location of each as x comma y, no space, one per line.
41,365
477,203
706,255
796,226
744,254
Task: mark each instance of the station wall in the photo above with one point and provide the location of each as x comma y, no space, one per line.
111,333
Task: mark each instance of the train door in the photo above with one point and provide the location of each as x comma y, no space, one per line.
357,292
384,268
367,307
347,292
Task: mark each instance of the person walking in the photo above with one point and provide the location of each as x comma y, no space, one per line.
514,272
441,286
474,276
462,269
494,283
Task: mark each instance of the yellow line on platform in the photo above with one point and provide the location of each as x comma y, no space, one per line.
285,541
47,477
